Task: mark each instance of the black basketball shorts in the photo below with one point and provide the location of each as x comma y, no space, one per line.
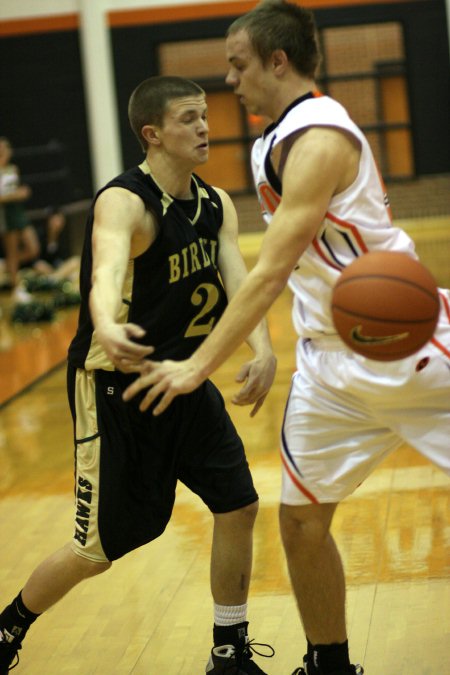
127,463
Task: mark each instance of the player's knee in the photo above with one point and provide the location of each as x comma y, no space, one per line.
249,513
243,518
90,568
304,527
95,568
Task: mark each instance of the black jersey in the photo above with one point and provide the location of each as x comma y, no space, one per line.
173,289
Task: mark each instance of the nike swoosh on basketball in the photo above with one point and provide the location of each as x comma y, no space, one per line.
357,336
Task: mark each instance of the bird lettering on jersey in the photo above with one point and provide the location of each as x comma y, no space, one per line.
192,258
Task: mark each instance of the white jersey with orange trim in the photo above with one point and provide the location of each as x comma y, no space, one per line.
345,413
358,219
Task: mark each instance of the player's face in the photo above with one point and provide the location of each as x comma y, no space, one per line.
184,133
250,79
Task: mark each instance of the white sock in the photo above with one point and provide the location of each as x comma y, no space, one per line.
228,615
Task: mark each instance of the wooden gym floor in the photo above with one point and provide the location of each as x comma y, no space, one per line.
151,614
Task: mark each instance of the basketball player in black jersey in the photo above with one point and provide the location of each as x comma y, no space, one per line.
160,259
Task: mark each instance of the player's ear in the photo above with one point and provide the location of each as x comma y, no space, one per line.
149,132
279,61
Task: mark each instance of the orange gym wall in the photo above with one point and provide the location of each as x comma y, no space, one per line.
205,11
161,14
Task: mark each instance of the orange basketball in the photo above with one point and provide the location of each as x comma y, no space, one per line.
385,305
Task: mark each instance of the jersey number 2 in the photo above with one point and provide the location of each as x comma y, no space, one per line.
198,325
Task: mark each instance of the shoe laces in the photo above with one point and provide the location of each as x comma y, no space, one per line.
249,649
14,655
17,660
240,654
358,670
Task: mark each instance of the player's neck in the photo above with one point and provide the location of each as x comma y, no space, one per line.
291,90
173,178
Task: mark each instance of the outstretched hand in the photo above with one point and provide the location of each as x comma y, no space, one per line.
166,378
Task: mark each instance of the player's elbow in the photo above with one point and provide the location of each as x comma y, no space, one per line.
276,285
271,281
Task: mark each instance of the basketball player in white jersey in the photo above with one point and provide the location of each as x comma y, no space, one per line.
324,203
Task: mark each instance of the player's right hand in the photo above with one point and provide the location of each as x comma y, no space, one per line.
119,343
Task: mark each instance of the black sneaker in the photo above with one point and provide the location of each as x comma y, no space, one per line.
231,660
8,652
351,670
310,669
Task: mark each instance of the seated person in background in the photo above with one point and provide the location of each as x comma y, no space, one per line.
53,260
44,267
29,251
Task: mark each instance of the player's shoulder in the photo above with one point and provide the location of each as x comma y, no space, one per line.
322,120
312,111
132,185
127,178
116,196
222,194
227,206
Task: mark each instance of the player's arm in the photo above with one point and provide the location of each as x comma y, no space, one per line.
257,374
316,168
118,216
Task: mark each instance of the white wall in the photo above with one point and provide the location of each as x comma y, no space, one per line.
19,9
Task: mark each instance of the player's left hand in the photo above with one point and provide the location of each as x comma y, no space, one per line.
166,378
258,376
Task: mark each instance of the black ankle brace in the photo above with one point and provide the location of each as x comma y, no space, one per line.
230,635
15,620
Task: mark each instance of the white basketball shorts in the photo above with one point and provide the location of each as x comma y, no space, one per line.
345,413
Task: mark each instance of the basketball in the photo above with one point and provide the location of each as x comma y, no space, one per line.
385,305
